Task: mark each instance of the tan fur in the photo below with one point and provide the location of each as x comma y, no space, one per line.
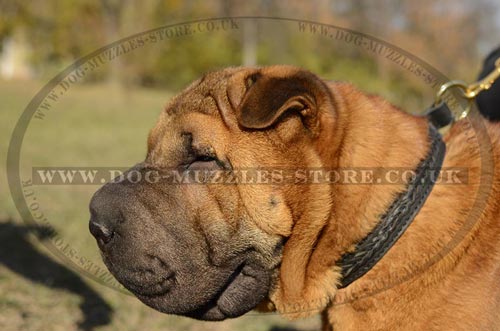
424,283
459,290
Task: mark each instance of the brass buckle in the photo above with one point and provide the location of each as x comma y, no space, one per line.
463,87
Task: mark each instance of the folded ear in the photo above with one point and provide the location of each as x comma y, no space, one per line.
274,91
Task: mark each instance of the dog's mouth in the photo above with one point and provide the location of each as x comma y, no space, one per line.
182,282
151,289
243,290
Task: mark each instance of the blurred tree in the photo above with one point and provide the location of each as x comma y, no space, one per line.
113,11
446,34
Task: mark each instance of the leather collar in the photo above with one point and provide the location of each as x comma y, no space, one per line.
398,217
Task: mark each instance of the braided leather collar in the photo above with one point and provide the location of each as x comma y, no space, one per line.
397,218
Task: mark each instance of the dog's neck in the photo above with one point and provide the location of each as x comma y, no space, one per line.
376,134
368,133
398,217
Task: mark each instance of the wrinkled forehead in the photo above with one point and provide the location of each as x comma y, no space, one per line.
205,93
201,109
216,99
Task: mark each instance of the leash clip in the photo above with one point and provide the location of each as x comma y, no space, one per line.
484,84
468,91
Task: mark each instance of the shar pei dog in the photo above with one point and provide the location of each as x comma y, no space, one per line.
272,189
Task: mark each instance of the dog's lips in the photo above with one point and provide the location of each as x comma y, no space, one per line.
244,290
143,282
151,289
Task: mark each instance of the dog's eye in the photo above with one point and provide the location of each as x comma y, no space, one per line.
205,162
250,80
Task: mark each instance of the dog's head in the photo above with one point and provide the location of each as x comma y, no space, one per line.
214,250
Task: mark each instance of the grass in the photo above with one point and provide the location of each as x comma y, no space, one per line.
92,126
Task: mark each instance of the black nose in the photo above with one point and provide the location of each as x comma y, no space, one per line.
106,212
100,232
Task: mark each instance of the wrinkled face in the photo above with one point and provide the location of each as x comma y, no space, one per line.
204,250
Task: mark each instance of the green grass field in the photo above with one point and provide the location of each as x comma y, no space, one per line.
91,126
